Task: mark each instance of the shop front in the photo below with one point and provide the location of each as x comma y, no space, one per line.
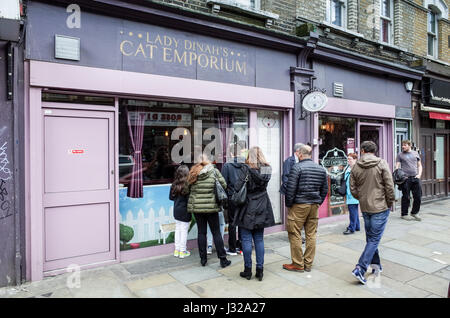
107,131
434,138
367,101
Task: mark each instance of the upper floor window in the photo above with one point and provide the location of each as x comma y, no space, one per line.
336,12
386,21
432,33
254,4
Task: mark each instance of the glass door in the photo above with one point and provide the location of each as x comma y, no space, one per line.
371,132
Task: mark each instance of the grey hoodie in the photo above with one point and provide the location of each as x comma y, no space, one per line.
371,183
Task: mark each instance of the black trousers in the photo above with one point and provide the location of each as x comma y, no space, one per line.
413,185
232,242
203,219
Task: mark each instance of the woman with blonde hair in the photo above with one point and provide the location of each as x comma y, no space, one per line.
202,202
256,213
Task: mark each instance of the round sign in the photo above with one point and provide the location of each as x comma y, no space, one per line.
314,101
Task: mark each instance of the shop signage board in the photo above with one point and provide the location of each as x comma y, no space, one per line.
335,163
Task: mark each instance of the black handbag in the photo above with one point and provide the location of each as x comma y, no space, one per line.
238,198
221,195
342,190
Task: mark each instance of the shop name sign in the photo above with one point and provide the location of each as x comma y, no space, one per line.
182,52
439,92
335,162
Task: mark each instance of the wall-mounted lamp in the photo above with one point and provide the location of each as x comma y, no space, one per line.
408,86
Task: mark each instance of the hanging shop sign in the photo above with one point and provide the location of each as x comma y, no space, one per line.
438,92
314,101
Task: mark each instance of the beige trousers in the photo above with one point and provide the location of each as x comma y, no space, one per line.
299,216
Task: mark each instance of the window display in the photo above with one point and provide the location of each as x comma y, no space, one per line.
155,138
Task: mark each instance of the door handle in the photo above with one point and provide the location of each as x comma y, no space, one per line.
112,171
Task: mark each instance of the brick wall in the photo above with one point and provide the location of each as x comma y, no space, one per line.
444,34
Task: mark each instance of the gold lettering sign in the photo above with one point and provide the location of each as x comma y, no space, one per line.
169,49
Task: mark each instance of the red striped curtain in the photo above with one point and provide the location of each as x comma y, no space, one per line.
136,131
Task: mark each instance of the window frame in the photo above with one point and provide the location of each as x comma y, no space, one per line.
256,3
343,13
434,35
389,19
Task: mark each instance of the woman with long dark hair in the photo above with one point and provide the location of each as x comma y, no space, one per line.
256,213
202,202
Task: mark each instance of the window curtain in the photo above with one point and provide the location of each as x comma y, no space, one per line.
225,120
136,131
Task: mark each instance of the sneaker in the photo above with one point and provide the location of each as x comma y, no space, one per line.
357,273
415,217
176,253
376,268
231,252
406,217
209,250
184,254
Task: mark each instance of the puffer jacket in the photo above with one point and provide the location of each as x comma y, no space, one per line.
257,212
307,184
202,197
371,183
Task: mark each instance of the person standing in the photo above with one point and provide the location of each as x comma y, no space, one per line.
307,188
371,183
202,202
287,166
233,171
178,194
352,203
409,161
256,214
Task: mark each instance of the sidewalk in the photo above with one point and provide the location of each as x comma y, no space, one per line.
415,258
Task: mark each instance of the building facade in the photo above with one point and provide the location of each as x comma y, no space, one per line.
117,94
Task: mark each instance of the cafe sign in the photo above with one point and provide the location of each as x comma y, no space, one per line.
334,162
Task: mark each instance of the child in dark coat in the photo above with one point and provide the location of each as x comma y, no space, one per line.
180,195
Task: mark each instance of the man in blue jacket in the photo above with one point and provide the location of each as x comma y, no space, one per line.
287,165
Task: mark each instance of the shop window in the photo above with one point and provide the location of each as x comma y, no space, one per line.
336,141
155,138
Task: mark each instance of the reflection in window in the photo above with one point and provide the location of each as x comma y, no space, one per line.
336,141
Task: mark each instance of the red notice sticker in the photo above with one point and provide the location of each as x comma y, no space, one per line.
76,151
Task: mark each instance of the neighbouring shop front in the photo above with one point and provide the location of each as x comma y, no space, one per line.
113,109
434,137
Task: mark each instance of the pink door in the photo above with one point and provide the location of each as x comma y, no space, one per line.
78,199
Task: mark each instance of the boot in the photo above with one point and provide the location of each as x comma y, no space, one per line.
224,262
203,261
247,273
259,273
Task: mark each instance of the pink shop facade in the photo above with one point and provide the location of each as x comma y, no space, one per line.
97,122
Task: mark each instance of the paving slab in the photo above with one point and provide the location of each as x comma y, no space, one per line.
409,260
409,248
437,236
415,239
443,273
439,247
339,252
221,287
390,288
103,284
399,272
321,259
289,290
149,282
171,290
301,279
337,288
356,245
194,275
433,284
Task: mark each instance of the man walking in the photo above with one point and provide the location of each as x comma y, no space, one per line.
371,183
287,166
409,161
306,189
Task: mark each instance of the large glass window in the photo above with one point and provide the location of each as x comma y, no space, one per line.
337,139
154,139
432,33
336,12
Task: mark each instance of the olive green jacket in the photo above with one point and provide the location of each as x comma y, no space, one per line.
202,197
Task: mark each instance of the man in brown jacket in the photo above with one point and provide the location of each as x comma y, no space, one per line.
371,183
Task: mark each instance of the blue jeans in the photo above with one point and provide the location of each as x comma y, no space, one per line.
354,217
258,237
374,224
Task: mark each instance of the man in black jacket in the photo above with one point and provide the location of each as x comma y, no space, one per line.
306,189
287,166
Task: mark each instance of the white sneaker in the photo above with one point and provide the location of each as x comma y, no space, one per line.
209,250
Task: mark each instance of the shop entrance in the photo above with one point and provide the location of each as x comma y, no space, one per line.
79,187
371,132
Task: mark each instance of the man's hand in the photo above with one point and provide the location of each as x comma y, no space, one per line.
418,176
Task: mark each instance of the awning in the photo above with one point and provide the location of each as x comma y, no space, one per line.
441,116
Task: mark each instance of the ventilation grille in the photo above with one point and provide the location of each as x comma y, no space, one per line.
338,89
